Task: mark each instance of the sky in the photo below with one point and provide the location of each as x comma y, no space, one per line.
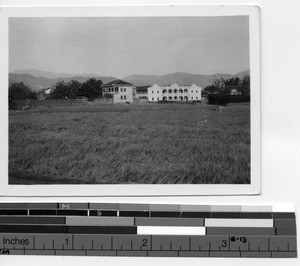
124,46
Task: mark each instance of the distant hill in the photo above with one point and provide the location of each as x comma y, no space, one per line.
180,78
50,74
38,83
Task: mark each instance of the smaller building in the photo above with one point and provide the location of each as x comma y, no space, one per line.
141,92
121,91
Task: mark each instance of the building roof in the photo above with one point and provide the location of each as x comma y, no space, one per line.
117,82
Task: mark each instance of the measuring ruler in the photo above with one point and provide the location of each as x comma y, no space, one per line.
109,229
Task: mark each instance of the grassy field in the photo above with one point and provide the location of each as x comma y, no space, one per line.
122,144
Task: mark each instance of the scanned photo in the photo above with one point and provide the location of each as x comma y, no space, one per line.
129,100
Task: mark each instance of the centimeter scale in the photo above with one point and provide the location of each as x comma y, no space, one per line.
109,229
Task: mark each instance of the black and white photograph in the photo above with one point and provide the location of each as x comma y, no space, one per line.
131,100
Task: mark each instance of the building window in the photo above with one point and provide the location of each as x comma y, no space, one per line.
157,91
170,91
196,91
192,91
175,91
152,99
175,98
121,97
121,89
124,89
124,97
180,91
152,91
158,99
192,98
185,90
197,98
164,91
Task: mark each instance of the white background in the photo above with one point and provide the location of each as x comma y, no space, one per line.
280,53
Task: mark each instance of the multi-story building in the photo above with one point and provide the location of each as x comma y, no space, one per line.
121,91
174,92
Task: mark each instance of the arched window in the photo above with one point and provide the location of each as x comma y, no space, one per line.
185,90
175,97
170,97
164,91
175,90
169,91
180,91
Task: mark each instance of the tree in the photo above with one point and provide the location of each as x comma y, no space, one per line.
19,91
61,91
73,89
245,86
91,89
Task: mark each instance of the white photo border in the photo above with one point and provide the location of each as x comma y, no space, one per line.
135,190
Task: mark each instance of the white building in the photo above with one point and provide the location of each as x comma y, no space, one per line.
121,91
174,92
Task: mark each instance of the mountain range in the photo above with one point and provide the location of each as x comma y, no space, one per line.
181,78
37,79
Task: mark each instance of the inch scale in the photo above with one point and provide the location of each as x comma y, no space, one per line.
103,229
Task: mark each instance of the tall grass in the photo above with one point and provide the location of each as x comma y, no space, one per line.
122,144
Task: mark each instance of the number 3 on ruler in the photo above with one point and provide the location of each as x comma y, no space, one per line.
224,243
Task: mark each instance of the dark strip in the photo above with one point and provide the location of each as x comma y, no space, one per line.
284,215
196,214
134,213
42,212
31,220
102,213
165,214
240,231
13,212
72,212
13,228
225,215
13,205
104,206
286,231
257,215
102,230
285,223
42,205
